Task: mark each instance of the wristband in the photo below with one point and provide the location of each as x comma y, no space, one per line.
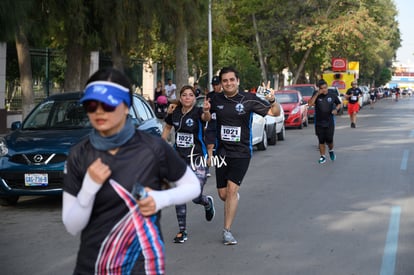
273,101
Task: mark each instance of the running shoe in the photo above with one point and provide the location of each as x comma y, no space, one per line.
181,237
332,155
353,125
208,174
322,159
228,238
210,211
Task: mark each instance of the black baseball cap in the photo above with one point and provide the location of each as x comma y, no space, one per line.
215,80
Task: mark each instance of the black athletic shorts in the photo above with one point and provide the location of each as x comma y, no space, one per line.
210,136
233,169
325,134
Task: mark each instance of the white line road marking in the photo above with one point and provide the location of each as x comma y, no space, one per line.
404,160
391,244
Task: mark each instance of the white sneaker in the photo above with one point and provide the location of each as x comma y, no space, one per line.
228,238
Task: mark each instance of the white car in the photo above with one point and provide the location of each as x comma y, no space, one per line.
275,126
364,99
259,134
335,91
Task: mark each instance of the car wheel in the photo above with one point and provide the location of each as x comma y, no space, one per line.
301,125
263,144
282,134
8,201
273,135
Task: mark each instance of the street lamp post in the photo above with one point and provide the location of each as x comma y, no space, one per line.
210,49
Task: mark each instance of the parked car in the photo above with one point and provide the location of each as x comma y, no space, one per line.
307,91
335,91
275,126
259,133
364,99
406,92
33,155
344,101
380,93
294,107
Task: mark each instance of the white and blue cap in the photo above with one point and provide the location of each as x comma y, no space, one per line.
107,92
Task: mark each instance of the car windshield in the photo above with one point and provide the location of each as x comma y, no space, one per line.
68,114
287,98
304,90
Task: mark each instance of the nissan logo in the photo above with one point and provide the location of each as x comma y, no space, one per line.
37,158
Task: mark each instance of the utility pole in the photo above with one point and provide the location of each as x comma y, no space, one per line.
210,49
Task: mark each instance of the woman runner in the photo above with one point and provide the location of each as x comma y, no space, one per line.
187,119
119,234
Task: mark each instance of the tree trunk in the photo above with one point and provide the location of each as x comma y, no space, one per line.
181,61
259,50
301,65
117,55
86,65
74,67
25,68
163,73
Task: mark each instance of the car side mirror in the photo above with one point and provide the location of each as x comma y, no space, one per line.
16,125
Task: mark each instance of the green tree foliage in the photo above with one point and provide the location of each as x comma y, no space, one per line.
384,77
361,31
18,20
179,21
305,35
299,35
242,60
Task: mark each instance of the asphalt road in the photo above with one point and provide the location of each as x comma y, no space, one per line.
353,216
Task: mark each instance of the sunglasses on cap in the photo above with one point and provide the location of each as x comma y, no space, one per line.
92,105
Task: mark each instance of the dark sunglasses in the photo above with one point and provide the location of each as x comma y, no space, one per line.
92,105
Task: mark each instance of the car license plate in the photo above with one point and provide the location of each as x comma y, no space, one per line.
36,179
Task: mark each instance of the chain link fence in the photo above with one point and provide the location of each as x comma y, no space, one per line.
48,68
47,73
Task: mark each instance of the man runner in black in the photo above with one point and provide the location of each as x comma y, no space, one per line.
234,110
210,131
352,95
326,106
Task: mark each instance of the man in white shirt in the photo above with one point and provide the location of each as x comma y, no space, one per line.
170,89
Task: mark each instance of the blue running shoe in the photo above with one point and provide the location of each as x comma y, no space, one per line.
322,159
210,211
332,155
181,237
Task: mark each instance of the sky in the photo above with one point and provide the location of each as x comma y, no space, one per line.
405,54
